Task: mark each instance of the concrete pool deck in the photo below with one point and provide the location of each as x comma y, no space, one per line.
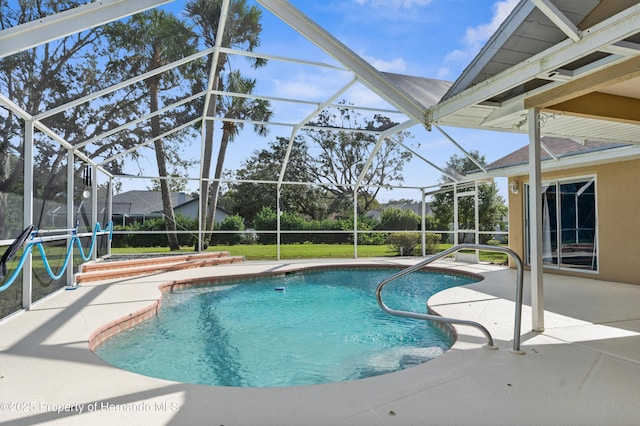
584,369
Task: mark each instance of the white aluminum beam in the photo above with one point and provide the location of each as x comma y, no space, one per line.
10,105
384,135
27,208
464,151
122,84
222,22
229,51
444,172
302,122
72,21
521,11
516,105
366,73
71,214
138,120
53,135
558,18
303,102
164,135
623,48
535,222
257,122
606,33
549,151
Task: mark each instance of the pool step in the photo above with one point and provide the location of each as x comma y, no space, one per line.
96,271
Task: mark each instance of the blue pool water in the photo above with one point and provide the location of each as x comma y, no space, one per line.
318,327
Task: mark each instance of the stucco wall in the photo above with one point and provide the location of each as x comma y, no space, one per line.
618,207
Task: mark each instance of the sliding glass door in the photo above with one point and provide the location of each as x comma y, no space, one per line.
569,224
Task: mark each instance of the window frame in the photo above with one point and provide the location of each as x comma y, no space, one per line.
559,264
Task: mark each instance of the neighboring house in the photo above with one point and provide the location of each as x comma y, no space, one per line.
190,209
590,193
138,206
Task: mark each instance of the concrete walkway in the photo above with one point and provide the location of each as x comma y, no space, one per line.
583,370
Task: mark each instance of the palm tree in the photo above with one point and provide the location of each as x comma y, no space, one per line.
154,39
242,30
236,108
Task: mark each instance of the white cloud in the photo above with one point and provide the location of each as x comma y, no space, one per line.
444,73
293,89
308,85
475,37
393,65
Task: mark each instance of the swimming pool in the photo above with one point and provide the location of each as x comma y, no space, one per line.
299,329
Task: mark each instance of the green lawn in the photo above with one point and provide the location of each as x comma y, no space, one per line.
304,251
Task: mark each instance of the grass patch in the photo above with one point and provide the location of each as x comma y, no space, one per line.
305,251
287,251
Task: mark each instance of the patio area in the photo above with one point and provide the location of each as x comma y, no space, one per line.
583,369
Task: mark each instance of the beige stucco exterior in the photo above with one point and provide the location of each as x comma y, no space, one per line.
618,220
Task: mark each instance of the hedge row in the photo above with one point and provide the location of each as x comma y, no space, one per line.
341,230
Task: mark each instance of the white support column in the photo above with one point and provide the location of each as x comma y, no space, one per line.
27,269
204,187
456,224
94,204
109,211
424,223
278,213
70,208
355,222
476,206
535,222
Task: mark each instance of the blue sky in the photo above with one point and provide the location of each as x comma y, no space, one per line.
428,38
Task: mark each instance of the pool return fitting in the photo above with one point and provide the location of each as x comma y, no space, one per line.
437,318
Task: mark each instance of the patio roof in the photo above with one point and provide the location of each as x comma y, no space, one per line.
577,61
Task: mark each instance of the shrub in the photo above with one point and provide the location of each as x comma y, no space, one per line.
366,223
265,220
153,240
493,242
432,243
230,223
399,220
404,243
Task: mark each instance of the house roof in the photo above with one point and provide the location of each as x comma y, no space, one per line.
577,61
554,148
144,202
525,32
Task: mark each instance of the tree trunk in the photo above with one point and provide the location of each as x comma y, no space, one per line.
206,164
167,206
4,196
215,185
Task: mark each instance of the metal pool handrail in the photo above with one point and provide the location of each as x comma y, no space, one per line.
437,318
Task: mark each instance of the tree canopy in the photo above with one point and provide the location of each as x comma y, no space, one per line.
145,42
247,199
331,160
491,206
343,154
